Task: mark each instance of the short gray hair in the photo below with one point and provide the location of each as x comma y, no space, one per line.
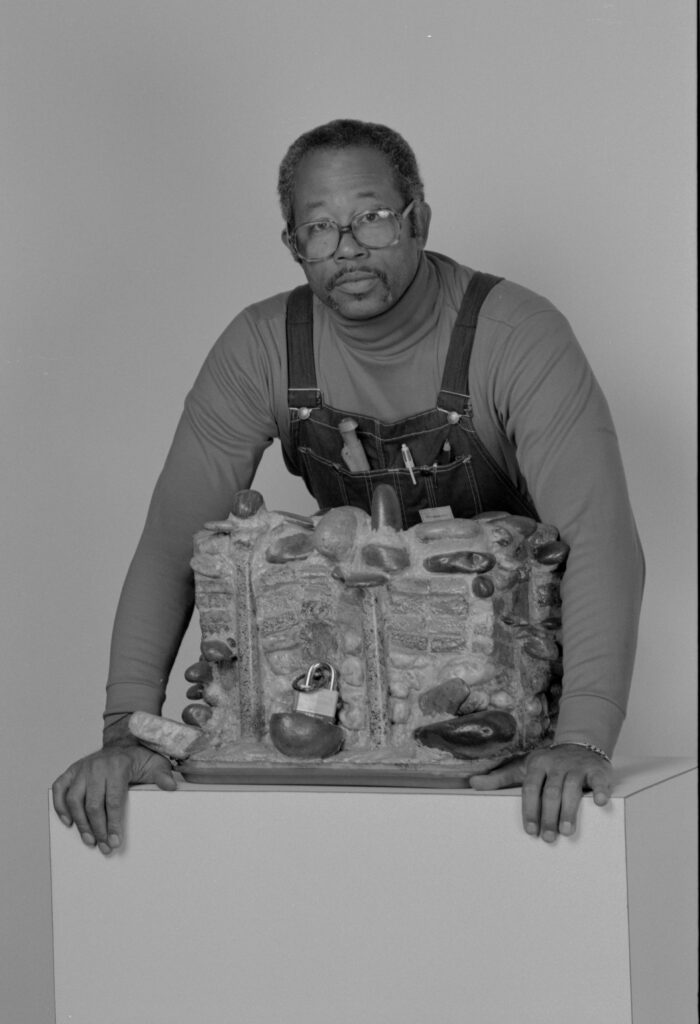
340,134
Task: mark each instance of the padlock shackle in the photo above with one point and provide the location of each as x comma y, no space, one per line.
309,684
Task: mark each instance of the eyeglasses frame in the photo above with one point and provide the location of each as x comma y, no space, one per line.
344,229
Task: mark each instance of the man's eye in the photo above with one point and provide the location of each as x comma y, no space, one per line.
373,216
320,227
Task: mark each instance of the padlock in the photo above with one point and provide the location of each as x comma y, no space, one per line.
316,693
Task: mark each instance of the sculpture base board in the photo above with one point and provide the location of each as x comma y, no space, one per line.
324,775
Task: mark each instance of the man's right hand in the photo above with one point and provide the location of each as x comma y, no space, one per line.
91,794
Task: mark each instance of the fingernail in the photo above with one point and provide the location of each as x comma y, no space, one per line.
66,820
531,828
549,837
104,848
566,828
87,838
114,840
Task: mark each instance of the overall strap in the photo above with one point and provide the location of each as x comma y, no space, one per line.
456,372
301,370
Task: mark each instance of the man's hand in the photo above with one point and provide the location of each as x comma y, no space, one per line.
91,794
553,782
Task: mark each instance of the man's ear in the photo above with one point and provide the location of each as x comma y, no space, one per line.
285,239
422,214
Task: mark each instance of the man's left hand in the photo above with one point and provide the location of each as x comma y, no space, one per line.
553,782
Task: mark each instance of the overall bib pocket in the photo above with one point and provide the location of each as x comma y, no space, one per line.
431,486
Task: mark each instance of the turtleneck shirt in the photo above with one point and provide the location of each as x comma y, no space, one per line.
537,408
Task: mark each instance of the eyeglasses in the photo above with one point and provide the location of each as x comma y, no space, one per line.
372,229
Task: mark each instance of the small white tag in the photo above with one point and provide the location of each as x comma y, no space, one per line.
429,515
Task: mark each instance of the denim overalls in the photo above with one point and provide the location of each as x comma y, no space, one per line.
461,474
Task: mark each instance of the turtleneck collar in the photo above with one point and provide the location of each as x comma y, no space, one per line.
401,327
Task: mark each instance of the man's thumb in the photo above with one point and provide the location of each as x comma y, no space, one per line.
164,779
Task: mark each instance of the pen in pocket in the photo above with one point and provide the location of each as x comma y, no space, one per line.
445,455
408,461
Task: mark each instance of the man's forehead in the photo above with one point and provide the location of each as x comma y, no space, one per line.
356,173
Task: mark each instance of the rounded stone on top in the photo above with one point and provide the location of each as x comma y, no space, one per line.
386,511
247,503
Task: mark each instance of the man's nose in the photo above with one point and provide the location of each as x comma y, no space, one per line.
348,246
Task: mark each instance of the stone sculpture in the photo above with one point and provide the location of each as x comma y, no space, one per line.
339,647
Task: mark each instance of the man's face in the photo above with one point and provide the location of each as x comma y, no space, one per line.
337,184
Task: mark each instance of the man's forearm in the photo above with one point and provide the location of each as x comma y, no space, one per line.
153,614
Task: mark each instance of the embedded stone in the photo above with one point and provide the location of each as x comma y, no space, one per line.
221,526
300,735
384,556
247,503
460,561
551,622
386,511
474,670
209,560
292,548
200,672
482,586
514,620
197,714
541,648
359,577
482,734
165,736
447,643
523,524
216,650
500,536
408,660
400,686
554,552
535,705
352,671
334,536
502,699
506,579
478,700
528,630
352,717
445,698
399,711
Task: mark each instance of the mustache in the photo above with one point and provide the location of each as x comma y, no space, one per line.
350,272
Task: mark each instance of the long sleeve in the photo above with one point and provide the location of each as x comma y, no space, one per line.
534,388
228,421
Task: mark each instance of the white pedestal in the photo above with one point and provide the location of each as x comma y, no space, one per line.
239,905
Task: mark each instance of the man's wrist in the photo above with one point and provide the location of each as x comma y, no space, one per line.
116,733
586,746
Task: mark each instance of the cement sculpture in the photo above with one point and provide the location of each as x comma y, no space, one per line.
341,648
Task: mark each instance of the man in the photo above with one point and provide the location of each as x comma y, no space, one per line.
523,421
